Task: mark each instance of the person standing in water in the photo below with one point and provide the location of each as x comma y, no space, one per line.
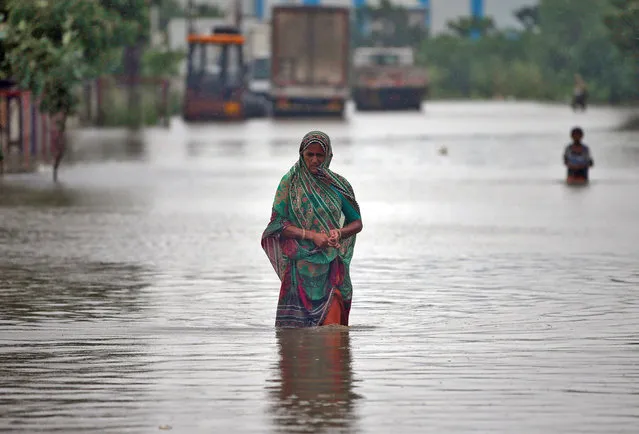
580,94
577,158
310,239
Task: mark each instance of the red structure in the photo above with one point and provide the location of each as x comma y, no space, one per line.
27,136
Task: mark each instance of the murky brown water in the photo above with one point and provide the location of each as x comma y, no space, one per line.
489,296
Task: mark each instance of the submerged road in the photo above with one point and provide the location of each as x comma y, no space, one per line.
488,295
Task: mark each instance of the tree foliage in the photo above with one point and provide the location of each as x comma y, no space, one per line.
623,23
52,46
465,27
134,14
557,40
528,17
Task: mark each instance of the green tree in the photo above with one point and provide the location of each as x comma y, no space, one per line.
169,9
575,40
464,27
561,38
3,20
528,16
135,12
623,23
53,46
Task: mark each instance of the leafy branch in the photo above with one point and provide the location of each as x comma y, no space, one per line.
53,46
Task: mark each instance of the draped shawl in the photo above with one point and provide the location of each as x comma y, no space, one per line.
309,275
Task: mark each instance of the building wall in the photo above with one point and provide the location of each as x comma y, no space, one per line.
26,135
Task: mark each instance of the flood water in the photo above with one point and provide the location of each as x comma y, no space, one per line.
489,297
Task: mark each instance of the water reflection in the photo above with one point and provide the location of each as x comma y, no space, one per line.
72,291
314,391
212,148
23,195
38,192
73,382
484,256
123,145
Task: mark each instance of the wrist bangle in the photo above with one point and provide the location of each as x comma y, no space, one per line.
303,234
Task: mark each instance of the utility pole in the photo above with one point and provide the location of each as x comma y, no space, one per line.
238,14
155,23
189,18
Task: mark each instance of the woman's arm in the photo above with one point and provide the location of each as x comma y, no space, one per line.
295,233
351,229
319,239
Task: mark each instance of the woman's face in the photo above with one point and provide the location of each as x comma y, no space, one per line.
314,156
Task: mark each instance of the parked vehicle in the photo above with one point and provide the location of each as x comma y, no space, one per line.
386,78
216,81
258,51
310,60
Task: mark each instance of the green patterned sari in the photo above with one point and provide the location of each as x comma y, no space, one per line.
311,277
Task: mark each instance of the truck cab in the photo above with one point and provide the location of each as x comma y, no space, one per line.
216,81
386,78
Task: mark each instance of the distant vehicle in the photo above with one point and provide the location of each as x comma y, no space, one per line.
260,77
216,87
258,50
310,60
386,78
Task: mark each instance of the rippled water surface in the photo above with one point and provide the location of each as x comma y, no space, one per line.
489,296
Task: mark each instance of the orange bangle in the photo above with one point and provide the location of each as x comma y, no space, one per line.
303,233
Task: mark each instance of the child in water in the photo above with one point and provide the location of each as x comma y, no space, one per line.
577,156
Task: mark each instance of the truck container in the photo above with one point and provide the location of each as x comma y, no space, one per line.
309,60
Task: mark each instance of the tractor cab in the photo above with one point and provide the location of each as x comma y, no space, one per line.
215,82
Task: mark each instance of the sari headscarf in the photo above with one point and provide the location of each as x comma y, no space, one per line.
310,277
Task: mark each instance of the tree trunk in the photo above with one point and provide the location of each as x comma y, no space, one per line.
132,60
60,145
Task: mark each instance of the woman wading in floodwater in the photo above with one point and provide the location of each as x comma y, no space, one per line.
311,237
